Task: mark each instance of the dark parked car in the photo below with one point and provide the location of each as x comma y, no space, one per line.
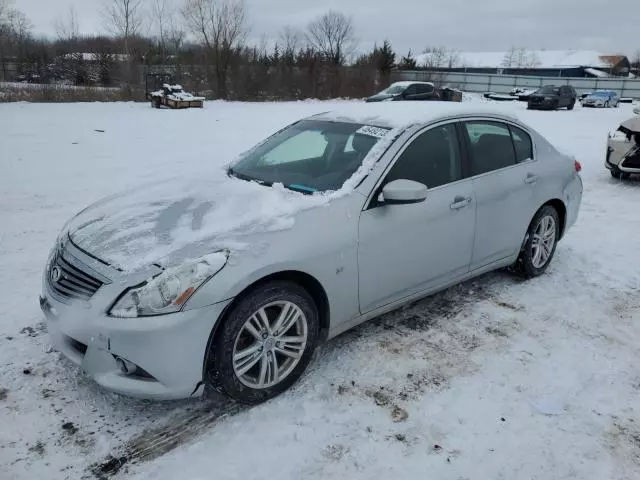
407,91
551,97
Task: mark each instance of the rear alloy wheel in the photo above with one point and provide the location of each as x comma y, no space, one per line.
540,243
265,343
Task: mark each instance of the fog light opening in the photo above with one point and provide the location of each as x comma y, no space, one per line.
126,366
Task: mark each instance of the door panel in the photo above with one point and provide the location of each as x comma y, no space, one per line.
504,200
404,249
503,186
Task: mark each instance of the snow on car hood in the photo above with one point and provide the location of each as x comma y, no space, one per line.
168,221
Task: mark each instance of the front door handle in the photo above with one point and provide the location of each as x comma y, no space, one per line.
460,202
530,179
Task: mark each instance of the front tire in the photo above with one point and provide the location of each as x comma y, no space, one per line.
540,243
571,105
265,343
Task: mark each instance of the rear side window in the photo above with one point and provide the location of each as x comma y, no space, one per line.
491,146
522,143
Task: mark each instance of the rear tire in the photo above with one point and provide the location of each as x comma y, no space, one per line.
274,347
571,105
540,243
618,175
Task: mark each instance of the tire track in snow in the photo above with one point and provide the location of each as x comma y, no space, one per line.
421,315
154,443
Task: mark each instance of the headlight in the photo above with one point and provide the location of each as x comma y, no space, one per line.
168,291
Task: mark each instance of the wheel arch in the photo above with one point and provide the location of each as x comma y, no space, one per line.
561,208
312,286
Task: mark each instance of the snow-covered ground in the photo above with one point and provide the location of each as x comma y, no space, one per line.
493,379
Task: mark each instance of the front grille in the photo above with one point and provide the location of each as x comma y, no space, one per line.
68,278
632,159
633,162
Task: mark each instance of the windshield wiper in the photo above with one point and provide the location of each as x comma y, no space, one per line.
301,188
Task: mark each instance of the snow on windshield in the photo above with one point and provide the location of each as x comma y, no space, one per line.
159,222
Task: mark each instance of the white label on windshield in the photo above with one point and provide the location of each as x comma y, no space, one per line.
373,131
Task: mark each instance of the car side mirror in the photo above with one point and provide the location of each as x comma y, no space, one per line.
402,192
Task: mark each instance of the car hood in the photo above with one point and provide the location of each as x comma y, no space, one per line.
167,222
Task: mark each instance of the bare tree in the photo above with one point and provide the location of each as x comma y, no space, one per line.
20,25
220,26
290,38
67,28
332,34
435,57
519,57
4,10
123,18
170,35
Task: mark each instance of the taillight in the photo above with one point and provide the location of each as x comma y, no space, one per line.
577,165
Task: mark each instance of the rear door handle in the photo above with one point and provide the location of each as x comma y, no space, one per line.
460,202
530,179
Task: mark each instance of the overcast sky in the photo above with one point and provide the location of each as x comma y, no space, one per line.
472,25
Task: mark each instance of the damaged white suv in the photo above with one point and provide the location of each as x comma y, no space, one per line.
623,149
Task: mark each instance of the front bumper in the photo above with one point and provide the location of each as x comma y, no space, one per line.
169,350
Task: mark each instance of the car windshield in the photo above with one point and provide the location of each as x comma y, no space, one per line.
310,155
549,90
599,94
394,89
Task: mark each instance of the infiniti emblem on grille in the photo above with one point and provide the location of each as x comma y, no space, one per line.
56,274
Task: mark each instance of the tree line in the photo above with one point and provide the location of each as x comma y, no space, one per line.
204,44
207,47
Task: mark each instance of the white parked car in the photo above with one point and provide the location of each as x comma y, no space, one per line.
623,149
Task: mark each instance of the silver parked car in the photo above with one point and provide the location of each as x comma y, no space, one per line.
602,99
231,283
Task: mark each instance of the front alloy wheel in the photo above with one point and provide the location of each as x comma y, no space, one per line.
270,344
264,343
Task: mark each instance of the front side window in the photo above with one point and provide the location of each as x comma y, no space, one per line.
310,155
433,158
394,89
491,147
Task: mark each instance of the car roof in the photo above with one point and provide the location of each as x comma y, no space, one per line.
406,83
405,114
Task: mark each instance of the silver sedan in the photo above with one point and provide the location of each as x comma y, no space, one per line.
231,282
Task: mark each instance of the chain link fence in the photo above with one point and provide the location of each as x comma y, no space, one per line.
482,83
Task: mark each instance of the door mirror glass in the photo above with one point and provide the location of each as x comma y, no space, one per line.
404,191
